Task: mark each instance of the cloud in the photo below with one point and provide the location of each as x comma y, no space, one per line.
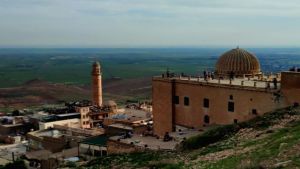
148,22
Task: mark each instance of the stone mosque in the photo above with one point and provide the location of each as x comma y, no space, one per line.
235,92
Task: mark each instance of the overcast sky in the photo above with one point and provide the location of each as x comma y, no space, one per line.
149,23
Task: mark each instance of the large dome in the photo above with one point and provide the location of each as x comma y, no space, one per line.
237,62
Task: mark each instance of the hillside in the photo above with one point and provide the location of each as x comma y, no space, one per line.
270,141
38,92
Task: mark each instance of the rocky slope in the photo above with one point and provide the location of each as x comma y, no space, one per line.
37,92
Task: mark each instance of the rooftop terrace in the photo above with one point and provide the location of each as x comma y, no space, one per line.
151,142
158,144
256,83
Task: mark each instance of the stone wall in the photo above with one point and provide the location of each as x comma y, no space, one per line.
162,106
49,143
248,103
84,117
117,147
290,86
54,144
74,123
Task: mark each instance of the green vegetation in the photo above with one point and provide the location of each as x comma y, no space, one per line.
73,66
151,159
70,164
19,164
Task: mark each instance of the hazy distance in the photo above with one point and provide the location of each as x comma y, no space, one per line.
145,23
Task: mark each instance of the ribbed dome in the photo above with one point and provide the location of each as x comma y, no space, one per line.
238,62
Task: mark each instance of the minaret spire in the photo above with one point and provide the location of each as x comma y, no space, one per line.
97,84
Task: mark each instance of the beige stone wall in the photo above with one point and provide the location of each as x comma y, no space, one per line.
84,117
53,144
74,123
139,129
290,85
116,147
49,143
162,107
245,100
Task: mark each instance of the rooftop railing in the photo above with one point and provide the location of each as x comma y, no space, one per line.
263,82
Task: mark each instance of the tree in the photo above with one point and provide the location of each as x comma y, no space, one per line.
19,164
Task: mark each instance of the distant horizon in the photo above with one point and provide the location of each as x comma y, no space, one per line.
147,47
149,24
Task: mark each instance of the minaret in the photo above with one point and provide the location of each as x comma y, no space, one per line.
97,84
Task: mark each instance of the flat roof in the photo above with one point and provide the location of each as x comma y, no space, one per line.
67,114
120,126
12,125
97,140
152,142
47,132
59,117
296,72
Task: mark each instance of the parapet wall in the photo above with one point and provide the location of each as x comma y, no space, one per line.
290,80
117,147
290,86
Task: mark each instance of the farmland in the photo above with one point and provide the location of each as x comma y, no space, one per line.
73,66
30,77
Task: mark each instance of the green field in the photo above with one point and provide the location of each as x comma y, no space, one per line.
73,66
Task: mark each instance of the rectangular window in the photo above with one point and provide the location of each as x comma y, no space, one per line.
206,103
176,100
231,106
186,101
254,111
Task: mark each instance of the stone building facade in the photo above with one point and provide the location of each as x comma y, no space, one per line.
194,102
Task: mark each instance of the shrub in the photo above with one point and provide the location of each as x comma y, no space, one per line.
71,164
167,166
19,164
